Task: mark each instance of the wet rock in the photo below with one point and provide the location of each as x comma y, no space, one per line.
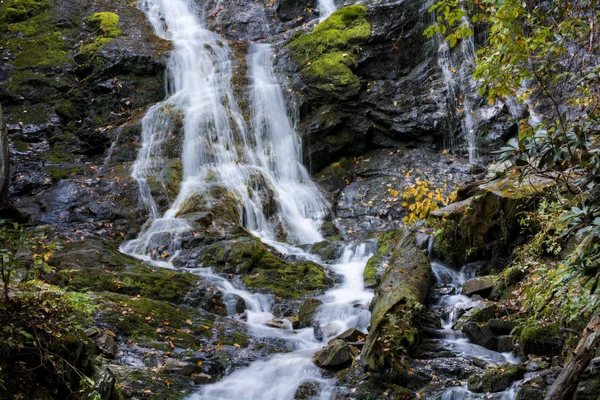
501,327
481,286
317,331
279,324
173,365
307,312
262,270
337,355
350,336
105,383
308,390
540,340
481,335
104,340
373,272
328,251
488,222
294,321
505,344
496,380
201,379
396,307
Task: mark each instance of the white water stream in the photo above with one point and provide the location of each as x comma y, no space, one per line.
450,305
278,377
326,8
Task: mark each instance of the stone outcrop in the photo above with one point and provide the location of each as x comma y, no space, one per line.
485,225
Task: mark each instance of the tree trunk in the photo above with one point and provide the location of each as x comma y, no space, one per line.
566,383
4,162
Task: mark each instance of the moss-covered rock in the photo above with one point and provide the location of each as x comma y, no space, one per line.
496,380
153,322
396,309
329,52
372,271
327,250
541,340
262,270
485,224
93,265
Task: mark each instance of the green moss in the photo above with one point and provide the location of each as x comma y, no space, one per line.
499,379
371,270
106,22
151,320
21,10
329,52
157,284
235,338
60,149
58,173
47,50
387,241
325,249
540,340
291,280
20,145
107,29
264,271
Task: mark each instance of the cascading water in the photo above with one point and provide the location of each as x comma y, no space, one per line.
218,150
448,306
278,377
460,86
326,8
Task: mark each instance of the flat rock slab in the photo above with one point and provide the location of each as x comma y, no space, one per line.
482,286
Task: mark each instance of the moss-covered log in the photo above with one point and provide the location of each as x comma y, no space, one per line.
396,309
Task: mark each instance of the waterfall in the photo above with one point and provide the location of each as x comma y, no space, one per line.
460,86
219,150
326,8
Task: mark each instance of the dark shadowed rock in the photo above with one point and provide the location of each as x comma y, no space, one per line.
481,286
337,355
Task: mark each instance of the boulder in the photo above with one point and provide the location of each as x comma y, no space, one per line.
184,368
279,323
307,312
201,378
104,340
350,336
540,340
481,335
505,344
482,286
308,390
497,379
487,223
396,308
337,355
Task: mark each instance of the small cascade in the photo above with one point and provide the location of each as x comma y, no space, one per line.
326,8
278,377
460,86
448,306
